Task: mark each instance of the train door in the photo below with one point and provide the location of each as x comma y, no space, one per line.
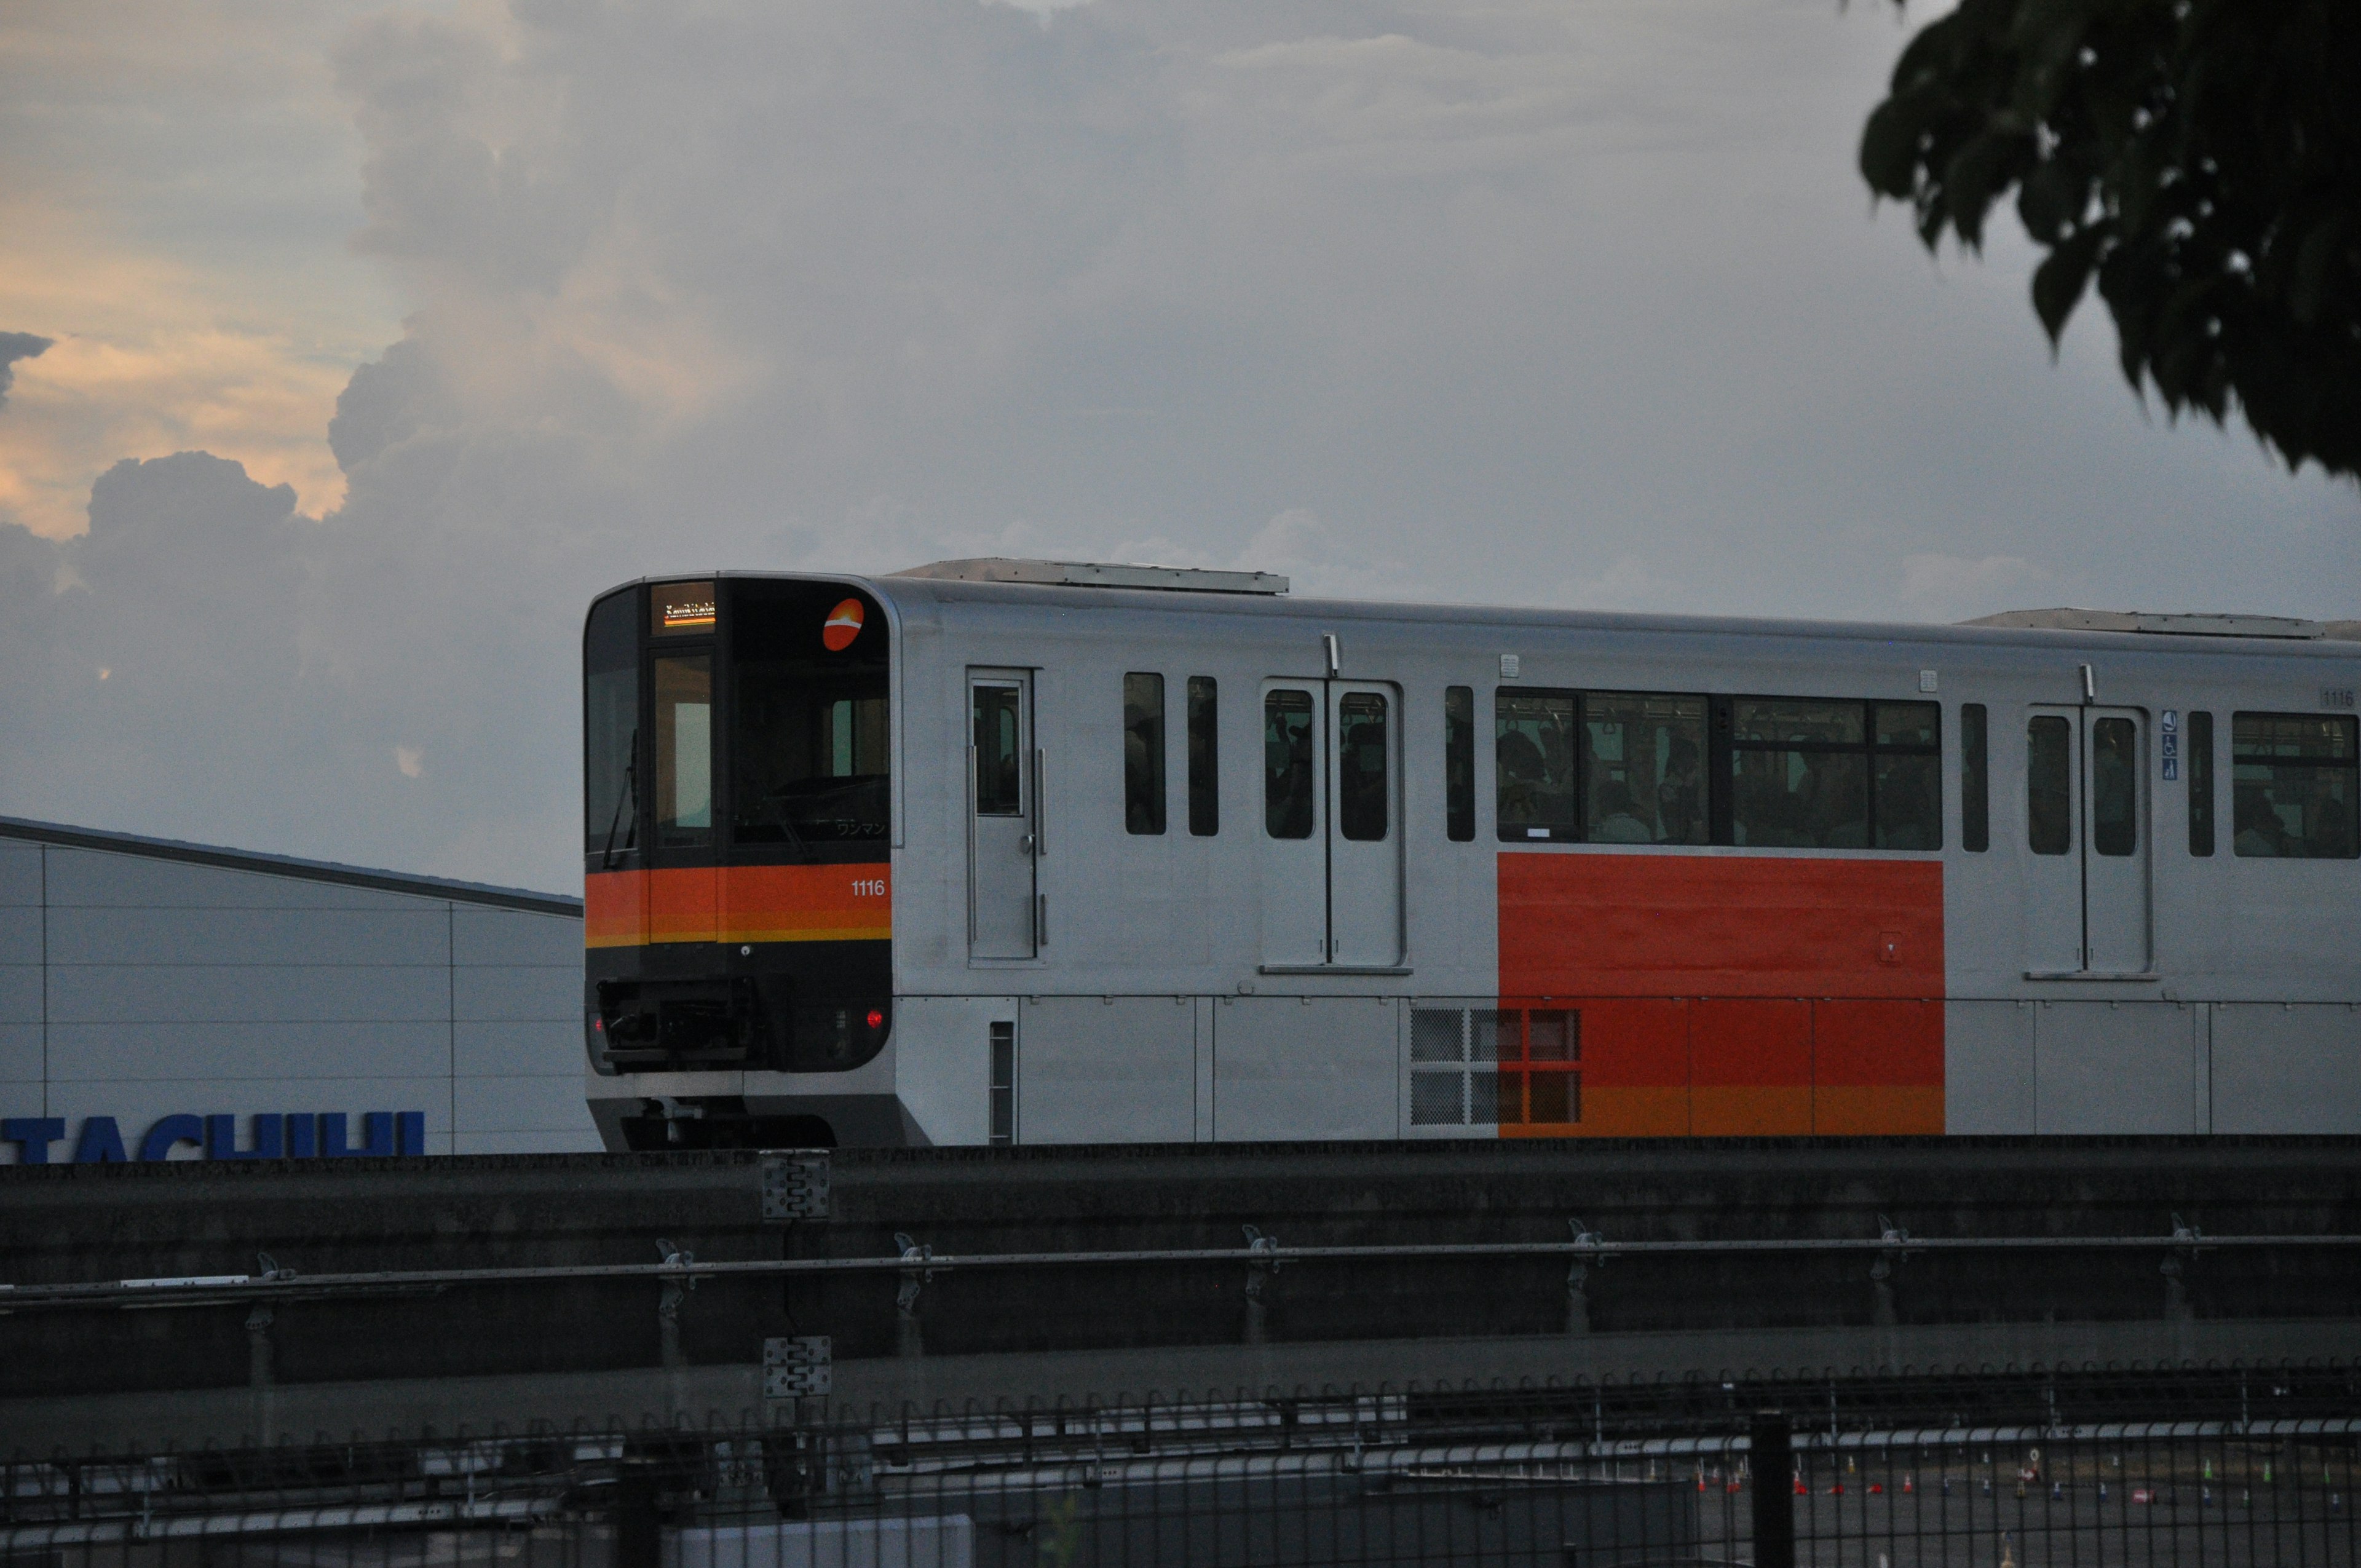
2086,827
2115,822
1365,840
1331,824
1004,817
1294,824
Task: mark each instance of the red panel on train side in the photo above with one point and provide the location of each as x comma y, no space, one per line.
1878,1066
1751,1068
1735,996
1674,925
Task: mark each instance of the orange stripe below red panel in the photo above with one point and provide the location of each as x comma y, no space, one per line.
1887,1110
1617,1113
739,904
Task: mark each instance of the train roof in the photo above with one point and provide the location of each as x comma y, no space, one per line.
1078,585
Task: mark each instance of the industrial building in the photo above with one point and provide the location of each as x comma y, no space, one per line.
161,1000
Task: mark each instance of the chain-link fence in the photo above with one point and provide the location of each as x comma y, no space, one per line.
1991,1470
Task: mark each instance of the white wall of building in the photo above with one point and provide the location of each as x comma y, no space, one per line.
141,982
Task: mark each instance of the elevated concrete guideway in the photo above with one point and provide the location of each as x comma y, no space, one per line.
1850,1283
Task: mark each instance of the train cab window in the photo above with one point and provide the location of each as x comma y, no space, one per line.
2114,787
809,743
1459,764
1533,744
1975,780
1361,766
2048,785
1644,768
611,731
2201,785
1204,771
2294,789
684,734
1143,753
1290,775
999,750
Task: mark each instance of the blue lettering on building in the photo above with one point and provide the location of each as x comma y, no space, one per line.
325,1135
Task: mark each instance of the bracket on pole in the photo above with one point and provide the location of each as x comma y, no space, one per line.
1578,1276
1893,1256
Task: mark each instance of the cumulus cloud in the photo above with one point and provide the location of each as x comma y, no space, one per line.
16,346
1956,588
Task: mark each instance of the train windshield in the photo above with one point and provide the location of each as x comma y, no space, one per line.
808,736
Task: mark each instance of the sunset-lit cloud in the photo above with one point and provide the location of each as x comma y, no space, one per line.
89,401
178,185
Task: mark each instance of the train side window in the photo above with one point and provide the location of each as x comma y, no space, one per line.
1143,753
1906,782
2201,785
2114,787
1205,775
999,753
684,694
2048,785
1799,773
2294,788
1361,767
1459,764
1810,773
1534,738
1288,767
1644,768
1975,780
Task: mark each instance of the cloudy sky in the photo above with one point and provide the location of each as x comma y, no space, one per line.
349,350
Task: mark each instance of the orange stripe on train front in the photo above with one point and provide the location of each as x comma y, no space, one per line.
843,624
741,904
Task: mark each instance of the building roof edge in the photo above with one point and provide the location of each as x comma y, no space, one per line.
414,885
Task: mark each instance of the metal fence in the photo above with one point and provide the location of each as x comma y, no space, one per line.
2018,1469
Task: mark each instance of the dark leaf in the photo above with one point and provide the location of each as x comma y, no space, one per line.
2328,259
2052,201
2058,281
1889,144
1979,172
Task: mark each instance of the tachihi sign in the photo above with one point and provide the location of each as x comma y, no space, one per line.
325,1135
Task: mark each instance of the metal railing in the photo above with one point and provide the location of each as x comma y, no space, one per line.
1262,1254
2093,1467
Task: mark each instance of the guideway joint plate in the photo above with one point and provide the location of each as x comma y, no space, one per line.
798,1367
794,1186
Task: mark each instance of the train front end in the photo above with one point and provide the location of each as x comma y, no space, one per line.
738,884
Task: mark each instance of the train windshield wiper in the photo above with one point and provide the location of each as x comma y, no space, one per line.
629,791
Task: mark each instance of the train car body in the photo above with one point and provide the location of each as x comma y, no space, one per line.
1023,853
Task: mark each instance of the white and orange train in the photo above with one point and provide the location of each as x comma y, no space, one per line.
1006,852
